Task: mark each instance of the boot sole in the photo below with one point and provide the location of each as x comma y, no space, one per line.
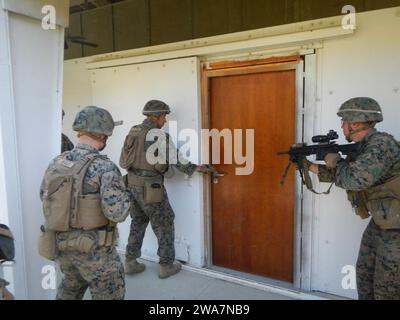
170,275
135,271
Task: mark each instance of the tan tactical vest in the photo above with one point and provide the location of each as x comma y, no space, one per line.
382,202
133,156
65,207
133,153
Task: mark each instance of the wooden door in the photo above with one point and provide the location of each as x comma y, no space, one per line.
253,216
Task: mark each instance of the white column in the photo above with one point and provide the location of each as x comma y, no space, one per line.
31,61
10,195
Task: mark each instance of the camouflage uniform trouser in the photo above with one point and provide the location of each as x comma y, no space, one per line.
4,293
161,217
101,271
378,265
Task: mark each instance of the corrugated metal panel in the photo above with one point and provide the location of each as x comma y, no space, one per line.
131,25
380,4
265,13
33,9
315,9
212,17
75,50
98,28
141,23
170,20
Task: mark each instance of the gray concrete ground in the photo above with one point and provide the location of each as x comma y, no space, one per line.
188,285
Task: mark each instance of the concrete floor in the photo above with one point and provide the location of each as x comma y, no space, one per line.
188,285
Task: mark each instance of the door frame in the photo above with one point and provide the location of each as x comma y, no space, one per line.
227,68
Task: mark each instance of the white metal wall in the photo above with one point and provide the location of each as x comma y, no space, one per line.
124,91
366,64
77,93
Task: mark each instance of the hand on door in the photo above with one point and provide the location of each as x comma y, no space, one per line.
206,168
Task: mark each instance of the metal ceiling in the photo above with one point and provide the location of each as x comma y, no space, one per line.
83,5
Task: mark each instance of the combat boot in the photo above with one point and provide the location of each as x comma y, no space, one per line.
132,266
167,270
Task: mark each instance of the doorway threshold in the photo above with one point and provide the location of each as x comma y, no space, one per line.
256,282
254,278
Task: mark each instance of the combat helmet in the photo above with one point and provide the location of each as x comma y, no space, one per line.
7,250
156,108
361,109
94,120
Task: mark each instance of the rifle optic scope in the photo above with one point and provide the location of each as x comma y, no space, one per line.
332,135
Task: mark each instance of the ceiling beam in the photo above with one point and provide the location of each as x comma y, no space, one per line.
84,5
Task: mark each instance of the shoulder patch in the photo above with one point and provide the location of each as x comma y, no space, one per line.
137,129
66,163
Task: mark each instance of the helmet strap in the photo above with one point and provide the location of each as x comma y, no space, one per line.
367,126
153,117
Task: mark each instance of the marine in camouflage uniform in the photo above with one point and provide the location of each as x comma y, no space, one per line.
159,214
365,177
101,269
7,252
66,143
4,293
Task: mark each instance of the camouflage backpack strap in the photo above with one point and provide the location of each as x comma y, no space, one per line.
79,170
83,165
63,184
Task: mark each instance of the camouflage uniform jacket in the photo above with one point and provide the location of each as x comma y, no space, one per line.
181,164
102,177
66,144
3,285
377,161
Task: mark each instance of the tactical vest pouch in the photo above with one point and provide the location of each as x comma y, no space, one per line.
384,204
57,202
90,214
358,202
161,168
134,180
47,244
83,243
394,186
153,190
107,235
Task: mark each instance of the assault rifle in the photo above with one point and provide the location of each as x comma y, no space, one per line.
325,144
